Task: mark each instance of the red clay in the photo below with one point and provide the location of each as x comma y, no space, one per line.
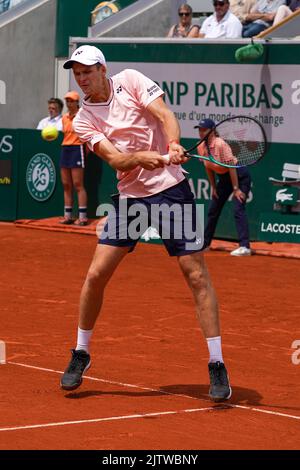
148,336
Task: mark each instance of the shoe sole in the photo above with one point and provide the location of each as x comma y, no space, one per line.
246,254
73,387
219,399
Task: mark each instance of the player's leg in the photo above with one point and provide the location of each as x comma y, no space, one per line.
105,261
194,269
186,230
78,182
66,179
196,274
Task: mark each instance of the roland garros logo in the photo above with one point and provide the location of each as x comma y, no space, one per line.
41,177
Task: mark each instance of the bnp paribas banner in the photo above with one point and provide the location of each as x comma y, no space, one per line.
202,79
196,91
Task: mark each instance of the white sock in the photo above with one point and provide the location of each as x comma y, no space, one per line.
215,349
82,213
68,212
83,339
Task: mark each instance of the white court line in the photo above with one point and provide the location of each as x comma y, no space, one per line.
111,382
163,392
111,418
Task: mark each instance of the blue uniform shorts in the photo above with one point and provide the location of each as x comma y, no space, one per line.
72,156
172,212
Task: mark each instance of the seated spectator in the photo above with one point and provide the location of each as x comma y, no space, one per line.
241,8
185,28
222,24
284,11
55,107
261,17
7,4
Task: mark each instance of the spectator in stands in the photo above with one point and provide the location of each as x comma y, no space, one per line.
72,165
222,24
7,4
284,11
185,28
261,17
241,8
55,107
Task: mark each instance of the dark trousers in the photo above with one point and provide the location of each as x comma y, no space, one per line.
224,190
252,29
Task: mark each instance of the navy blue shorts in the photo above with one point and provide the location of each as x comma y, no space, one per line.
72,156
172,212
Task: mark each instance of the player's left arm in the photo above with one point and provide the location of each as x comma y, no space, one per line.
159,110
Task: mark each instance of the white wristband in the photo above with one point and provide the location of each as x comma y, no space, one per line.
166,158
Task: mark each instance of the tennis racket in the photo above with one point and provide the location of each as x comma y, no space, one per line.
242,142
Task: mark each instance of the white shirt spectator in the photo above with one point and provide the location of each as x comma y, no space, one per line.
48,121
229,27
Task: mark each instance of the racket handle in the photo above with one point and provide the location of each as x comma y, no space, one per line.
166,158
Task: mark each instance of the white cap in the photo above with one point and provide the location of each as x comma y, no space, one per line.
86,55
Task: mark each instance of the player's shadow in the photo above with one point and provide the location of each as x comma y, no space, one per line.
194,391
241,396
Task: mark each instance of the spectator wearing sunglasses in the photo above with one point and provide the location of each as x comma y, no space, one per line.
185,28
261,17
222,24
241,8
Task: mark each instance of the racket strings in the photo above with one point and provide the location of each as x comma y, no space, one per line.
245,142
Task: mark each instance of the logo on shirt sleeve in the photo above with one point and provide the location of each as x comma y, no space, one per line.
154,89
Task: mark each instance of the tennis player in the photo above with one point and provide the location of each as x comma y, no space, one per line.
125,121
229,180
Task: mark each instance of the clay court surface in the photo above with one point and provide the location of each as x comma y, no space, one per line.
148,384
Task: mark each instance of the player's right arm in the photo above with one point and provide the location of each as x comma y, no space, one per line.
127,161
104,148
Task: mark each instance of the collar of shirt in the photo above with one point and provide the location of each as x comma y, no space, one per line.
223,20
55,119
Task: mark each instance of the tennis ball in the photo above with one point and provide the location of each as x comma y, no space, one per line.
49,133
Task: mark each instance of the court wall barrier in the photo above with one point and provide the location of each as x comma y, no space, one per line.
30,185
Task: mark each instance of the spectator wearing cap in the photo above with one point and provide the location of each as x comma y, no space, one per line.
261,17
229,180
55,107
222,24
284,11
241,8
72,165
184,28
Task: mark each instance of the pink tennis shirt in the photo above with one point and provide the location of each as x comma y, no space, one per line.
221,152
126,123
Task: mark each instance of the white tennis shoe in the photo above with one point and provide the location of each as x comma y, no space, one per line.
241,251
